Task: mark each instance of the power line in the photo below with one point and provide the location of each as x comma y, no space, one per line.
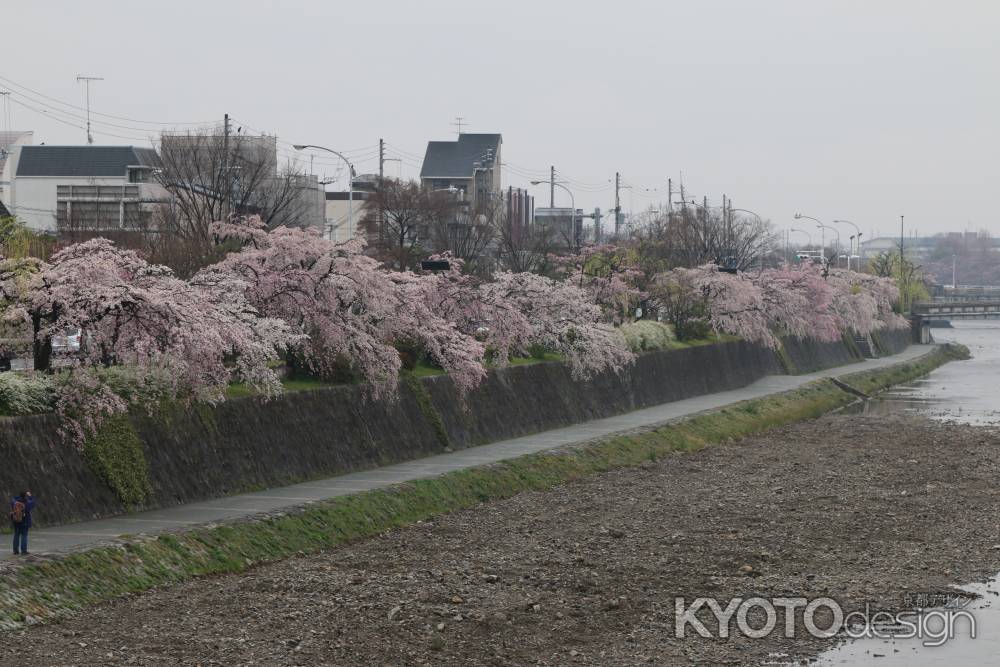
79,127
98,113
78,117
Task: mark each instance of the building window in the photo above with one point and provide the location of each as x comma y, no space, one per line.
138,175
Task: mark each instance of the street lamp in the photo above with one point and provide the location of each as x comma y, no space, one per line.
858,236
836,231
572,199
350,185
819,223
759,219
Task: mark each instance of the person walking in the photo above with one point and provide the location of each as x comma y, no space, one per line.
20,516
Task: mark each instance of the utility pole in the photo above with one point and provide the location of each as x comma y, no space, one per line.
618,205
5,95
725,224
86,81
670,195
552,186
227,194
901,236
381,175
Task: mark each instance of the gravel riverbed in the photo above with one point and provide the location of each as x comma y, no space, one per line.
856,508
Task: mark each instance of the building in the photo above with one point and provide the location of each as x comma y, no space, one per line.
560,222
339,227
204,152
60,189
195,164
10,144
309,206
471,165
342,206
520,211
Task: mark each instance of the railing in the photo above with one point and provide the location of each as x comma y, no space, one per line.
957,308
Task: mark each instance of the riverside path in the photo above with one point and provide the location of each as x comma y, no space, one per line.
75,535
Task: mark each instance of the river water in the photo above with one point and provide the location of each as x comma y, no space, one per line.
967,392
961,391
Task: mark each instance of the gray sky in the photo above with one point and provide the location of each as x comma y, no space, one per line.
838,109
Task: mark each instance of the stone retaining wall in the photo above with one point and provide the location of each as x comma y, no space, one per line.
244,444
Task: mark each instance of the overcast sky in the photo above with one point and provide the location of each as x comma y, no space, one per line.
838,109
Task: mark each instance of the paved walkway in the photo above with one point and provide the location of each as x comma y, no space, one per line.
71,535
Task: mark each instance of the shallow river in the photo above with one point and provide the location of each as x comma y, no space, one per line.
966,392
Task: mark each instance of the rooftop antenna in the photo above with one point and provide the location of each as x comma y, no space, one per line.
460,123
86,80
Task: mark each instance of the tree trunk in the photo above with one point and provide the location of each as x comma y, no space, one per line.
41,349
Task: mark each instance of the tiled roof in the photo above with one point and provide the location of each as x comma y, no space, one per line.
82,160
454,159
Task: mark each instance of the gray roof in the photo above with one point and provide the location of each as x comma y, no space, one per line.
83,160
454,159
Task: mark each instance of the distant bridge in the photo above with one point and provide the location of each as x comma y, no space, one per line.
966,292
961,308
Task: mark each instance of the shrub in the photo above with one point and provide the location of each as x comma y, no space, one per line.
25,393
538,351
115,452
647,335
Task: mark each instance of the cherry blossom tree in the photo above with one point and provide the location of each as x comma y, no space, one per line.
864,303
798,301
736,305
348,309
558,316
136,314
732,303
515,311
609,274
194,337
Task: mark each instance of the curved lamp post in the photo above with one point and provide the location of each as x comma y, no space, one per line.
858,236
350,185
836,257
822,243
572,200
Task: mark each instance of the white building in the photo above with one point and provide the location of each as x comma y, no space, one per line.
60,189
10,144
339,224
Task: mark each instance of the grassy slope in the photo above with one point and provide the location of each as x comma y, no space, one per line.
47,590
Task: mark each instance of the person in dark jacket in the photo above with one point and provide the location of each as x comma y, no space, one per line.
21,527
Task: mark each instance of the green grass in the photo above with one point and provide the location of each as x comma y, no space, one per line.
239,389
51,589
542,358
699,342
424,369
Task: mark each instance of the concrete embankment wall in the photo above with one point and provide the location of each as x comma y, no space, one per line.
893,341
199,452
807,355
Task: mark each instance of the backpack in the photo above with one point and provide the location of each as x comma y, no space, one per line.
17,514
